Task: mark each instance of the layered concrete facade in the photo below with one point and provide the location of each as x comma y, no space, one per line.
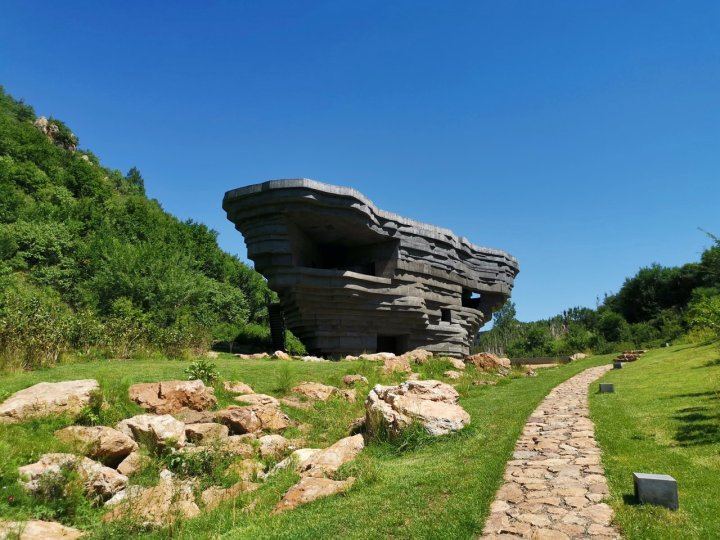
353,278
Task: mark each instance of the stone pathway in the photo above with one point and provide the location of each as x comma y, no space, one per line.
554,485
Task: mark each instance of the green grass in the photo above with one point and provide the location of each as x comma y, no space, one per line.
664,417
434,489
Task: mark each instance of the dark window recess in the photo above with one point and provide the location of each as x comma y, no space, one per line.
445,315
470,299
392,344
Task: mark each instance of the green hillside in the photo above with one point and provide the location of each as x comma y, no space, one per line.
90,265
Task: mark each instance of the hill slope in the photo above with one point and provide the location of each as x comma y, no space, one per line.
88,262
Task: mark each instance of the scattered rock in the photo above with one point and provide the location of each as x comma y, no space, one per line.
578,356
457,363
38,530
258,399
212,354
237,387
350,380
432,403
419,356
206,433
157,431
529,372
488,361
172,396
247,470
296,459
357,426
349,395
317,391
380,356
252,418
313,359
272,446
482,383
214,495
159,506
189,416
48,399
310,489
296,402
131,464
52,131
238,445
450,374
98,480
104,444
281,355
326,462
350,357
396,363
254,356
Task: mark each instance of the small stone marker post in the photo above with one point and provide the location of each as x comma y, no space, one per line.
660,489
606,388
617,365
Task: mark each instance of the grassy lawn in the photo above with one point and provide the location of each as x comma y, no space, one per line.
664,417
438,490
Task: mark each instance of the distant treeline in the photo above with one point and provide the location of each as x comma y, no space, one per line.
90,265
657,305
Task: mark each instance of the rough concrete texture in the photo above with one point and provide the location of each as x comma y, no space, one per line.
353,278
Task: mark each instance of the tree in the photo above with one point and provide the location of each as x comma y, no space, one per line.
135,179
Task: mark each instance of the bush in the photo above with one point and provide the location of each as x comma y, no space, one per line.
202,369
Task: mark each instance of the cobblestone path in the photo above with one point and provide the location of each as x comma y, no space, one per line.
554,484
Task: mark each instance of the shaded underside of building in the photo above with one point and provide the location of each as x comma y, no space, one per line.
352,278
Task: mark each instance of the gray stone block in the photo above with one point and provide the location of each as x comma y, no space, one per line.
606,388
353,278
660,489
617,365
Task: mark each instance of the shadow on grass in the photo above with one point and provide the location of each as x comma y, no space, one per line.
629,499
709,363
700,425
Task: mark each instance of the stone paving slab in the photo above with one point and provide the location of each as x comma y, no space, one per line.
555,484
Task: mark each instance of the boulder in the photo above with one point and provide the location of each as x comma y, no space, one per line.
238,445
419,356
432,403
296,402
156,506
206,433
310,489
247,470
104,444
450,374
316,391
252,418
396,363
132,464
350,380
313,359
35,529
258,399
48,399
214,495
98,480
281,355
578,356
212,354
457,363
326,462
488,361
237,387
296,459
272,446
349,395
157,431
188,416
172,396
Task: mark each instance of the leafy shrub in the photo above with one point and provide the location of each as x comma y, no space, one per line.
202,369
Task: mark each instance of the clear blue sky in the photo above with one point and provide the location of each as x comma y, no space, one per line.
582,137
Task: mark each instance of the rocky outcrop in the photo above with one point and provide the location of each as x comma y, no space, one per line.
38,530
153,430
488,361
310,489
398,363
577,356
258,399
629,356
132,464
353,278
457,363
272,446
433,404
59,137
253,418
104,444
172,396
451,374
98,480
48,399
